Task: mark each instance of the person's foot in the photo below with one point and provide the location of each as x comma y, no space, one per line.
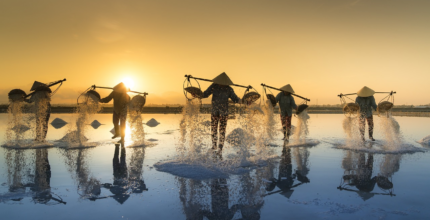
371,138
115,136
220,147
121,141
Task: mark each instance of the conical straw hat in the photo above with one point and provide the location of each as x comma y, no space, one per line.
365,92
287,88
36,85
120,88
222,79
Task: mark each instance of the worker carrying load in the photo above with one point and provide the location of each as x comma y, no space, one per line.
221,91
41,97
287,104
366,101
120,101
364,106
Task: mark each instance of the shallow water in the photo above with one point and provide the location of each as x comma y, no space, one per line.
301,181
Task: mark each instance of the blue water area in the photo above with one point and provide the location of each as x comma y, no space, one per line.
315,181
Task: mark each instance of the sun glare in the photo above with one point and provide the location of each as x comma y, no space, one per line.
128,82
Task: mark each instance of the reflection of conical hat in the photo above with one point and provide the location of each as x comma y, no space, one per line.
222,79
120,88
365,92
287,88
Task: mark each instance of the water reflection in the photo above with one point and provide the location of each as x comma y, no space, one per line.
126,181
29,175
221,198
358,172
287,179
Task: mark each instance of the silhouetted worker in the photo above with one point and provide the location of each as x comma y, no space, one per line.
366,101
120,101
42,106
221,92
287,104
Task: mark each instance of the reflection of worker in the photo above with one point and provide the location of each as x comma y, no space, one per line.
221,92
120,101
41,99
287,104
220,198
366,101
361,177
286,177
120,183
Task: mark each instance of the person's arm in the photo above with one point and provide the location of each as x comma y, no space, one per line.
208,91
107,98
293,103
233,96
373,103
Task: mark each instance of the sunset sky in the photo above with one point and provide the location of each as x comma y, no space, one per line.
320,47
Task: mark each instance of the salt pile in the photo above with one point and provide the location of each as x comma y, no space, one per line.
95,124
425,141
152,123
238,137
71,136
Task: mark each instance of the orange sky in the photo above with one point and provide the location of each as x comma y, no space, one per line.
320,47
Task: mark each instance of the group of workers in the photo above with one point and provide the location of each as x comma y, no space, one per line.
221,93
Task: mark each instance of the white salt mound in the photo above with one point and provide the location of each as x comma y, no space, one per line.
425,140
152,123
74,135
238,136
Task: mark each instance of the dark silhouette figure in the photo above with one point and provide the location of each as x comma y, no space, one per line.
120,101
124,181
286,177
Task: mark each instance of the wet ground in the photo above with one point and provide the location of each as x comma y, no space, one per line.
300,181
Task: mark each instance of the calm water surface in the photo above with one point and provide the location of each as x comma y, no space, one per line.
319,182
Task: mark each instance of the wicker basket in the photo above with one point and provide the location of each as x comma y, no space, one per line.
351,108
16,95
195,92
272,99
384,107
137,103
250,97
301,108
94,94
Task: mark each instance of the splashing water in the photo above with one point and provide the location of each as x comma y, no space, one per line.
351,129
136,128
17,122
269,120
391,131
76,131
197,160
301,131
